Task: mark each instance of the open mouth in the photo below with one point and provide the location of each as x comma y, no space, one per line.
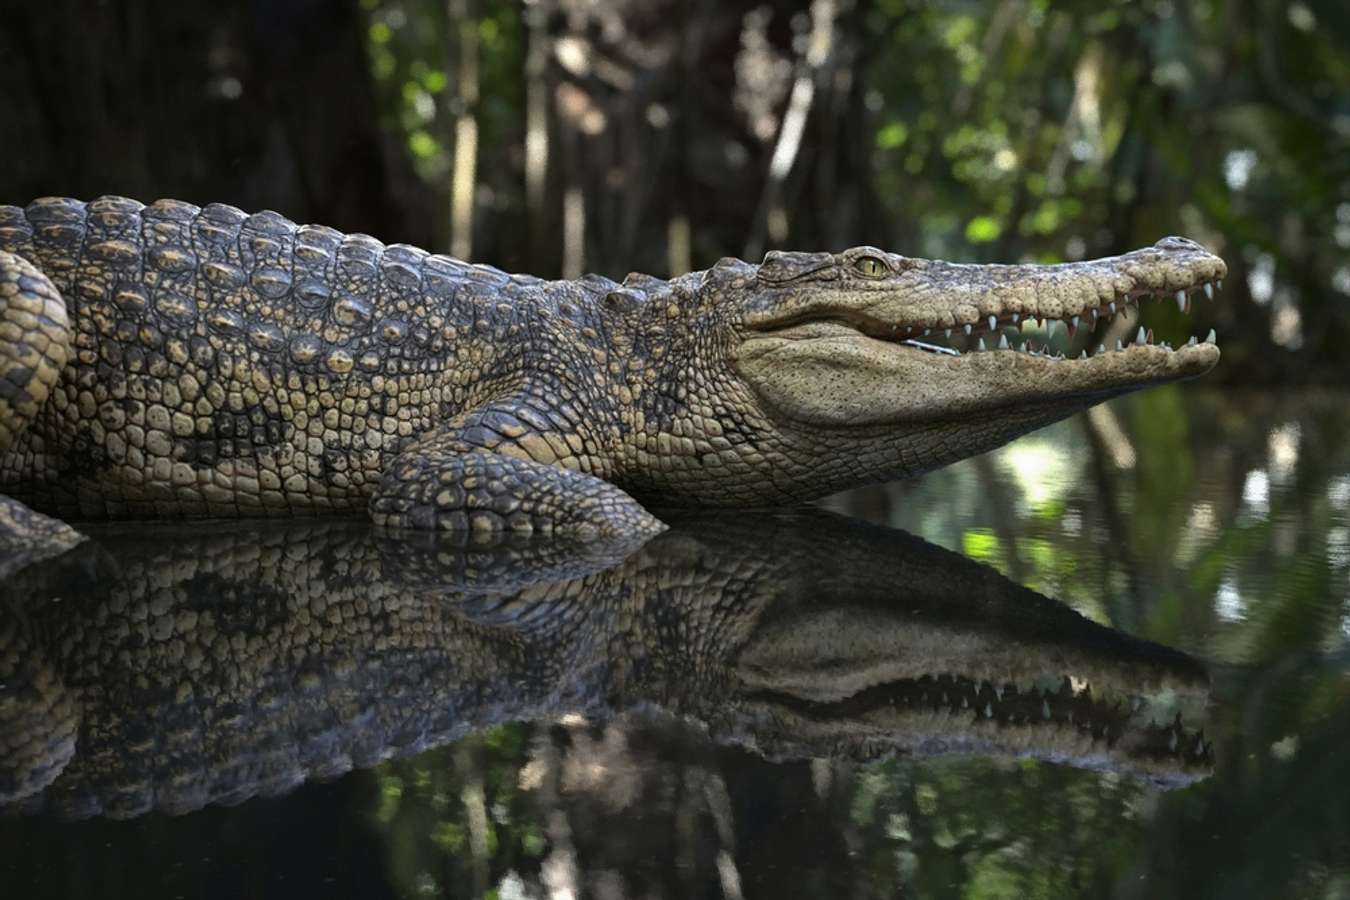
1110,327
947,713
1062,311
1072,333
982,701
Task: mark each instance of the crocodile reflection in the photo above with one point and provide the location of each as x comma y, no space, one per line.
166,671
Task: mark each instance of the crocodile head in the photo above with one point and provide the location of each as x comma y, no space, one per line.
834,369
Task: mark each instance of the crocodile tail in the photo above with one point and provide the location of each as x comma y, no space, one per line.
35,336
39,715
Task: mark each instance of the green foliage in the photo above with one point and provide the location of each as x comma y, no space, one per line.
1002,131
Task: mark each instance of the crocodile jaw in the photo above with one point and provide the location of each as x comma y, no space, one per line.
839,379
869,681
831,350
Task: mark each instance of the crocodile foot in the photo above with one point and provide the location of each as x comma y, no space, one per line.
436,485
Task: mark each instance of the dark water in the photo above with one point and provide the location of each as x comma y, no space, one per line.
1109,660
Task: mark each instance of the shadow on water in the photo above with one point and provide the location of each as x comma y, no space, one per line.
795,704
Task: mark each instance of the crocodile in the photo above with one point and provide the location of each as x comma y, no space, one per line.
172,360
238,660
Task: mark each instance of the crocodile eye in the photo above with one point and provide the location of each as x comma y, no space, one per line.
870,266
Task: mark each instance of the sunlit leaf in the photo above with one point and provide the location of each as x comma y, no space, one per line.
982,229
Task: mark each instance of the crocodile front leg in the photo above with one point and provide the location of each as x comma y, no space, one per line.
450,482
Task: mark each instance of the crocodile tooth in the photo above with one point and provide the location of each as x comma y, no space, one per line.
1101,348
1181,300
993,322
1003,342
1112,307
947,333
1050,327
1209,339
968,329
1119,345
1191,342
1083,355
1209,290
1016,317
1148,339
980,345
1218,284
1140,338
926,332
989,710
1074,320
1095,314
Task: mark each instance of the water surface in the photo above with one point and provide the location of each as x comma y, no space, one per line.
1108,660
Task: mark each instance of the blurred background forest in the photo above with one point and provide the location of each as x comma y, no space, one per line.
563,136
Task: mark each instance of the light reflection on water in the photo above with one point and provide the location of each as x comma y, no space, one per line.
1222,499
1216,524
